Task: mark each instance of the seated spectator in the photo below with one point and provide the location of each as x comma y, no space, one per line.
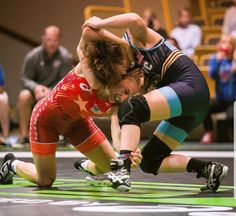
152,22
148,15
157,27
4,107
43,67
188,35
229,24
223,70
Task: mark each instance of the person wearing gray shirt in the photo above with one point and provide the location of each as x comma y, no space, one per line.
42,69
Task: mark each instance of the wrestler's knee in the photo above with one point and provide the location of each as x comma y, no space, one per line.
154,152
134,110
46,182
150,166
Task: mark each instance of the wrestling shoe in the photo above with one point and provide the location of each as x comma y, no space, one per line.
78,164
118,178
214,174
6,172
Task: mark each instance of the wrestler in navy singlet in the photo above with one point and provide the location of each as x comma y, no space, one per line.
180,81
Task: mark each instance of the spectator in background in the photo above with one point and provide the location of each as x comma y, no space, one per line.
222,68
188,35
174,42
151,20
229,24
4,109
148,15
43,67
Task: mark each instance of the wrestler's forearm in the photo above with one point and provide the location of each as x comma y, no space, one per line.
115,132
122,21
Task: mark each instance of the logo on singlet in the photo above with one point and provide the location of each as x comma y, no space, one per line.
148,66
95,109
85,87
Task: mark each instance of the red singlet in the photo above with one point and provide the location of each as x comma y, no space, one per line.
67,111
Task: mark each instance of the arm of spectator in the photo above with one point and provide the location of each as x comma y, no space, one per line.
226,23
66,65
197,37
214,65
28,74
41,91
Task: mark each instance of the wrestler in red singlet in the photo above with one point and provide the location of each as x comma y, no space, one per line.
67,111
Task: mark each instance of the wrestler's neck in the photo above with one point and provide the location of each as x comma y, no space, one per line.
94,83
78,70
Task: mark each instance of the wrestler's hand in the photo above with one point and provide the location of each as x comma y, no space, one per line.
92,22
136,158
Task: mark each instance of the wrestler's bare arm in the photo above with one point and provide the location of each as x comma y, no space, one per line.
115,132
89,35
140,35
128,21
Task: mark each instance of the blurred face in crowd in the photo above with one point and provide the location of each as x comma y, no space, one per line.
184,18
156,24
173,42
147,14
226,45
50,39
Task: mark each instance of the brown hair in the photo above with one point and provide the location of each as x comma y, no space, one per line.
105,59
136,73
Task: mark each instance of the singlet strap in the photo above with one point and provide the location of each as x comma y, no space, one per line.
126,36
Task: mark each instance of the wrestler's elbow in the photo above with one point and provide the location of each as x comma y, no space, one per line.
90,34
135,19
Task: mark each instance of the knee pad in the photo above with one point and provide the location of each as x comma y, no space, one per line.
153,154
134,111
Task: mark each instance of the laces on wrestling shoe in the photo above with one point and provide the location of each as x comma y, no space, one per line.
116,164
118,178
214,174
78,164
6,172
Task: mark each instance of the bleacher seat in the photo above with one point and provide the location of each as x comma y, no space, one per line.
211,29
209,80
204,60
216,19
205,49
211,39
